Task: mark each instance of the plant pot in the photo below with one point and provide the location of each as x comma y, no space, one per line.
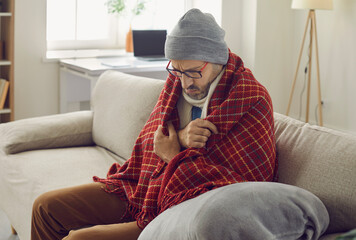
129,42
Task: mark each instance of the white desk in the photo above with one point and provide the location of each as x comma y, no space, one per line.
78,76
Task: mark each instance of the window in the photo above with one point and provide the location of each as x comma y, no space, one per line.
85,24
78,24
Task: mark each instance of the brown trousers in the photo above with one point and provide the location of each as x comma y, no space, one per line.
82,212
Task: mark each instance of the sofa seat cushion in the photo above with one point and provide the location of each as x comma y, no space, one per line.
122,104
252,210
322,161
24,176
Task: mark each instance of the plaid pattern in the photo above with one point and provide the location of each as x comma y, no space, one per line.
243,150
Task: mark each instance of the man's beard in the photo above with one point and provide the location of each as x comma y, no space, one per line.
202,93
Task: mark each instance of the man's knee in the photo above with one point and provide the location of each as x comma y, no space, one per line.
41,204
46,203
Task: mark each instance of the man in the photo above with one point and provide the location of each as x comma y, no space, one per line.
212,126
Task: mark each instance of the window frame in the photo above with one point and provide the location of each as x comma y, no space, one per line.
117,32
108,43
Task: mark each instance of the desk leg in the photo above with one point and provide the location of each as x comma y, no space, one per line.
62,90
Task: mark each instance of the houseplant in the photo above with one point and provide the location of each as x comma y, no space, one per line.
120,7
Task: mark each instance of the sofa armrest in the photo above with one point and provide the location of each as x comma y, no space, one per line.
55,131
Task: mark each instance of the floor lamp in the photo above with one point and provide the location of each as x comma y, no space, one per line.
311,5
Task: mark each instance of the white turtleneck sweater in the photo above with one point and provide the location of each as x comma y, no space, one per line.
185,103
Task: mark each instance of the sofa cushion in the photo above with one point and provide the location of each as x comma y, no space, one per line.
122,104
61,130
322,161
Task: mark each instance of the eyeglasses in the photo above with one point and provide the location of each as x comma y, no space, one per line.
190,73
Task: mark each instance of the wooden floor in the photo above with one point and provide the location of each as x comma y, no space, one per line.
5,228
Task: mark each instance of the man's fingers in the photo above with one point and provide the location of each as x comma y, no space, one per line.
199,139
200,131
198,145
207,124
158,132
211,127
171,129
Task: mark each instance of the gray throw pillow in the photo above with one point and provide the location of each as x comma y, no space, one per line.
252,210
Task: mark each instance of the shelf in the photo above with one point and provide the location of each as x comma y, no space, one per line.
7,8
4,111
5,14
5,63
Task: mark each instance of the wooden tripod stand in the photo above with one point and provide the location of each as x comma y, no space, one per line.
312,21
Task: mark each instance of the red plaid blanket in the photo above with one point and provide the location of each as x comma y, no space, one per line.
243,150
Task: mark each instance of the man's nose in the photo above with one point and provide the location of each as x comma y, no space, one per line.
186,81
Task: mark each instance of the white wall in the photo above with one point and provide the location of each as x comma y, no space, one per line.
239,23
231,22
274,44
36,83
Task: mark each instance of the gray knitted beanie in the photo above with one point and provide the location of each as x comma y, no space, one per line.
197,36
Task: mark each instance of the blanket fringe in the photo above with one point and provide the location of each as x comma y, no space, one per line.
144,218
168,201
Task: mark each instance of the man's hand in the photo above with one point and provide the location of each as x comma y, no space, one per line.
166,147
196,133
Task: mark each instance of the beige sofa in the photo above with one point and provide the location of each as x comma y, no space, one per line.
45,153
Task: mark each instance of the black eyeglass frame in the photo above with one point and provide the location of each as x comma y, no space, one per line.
186,73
